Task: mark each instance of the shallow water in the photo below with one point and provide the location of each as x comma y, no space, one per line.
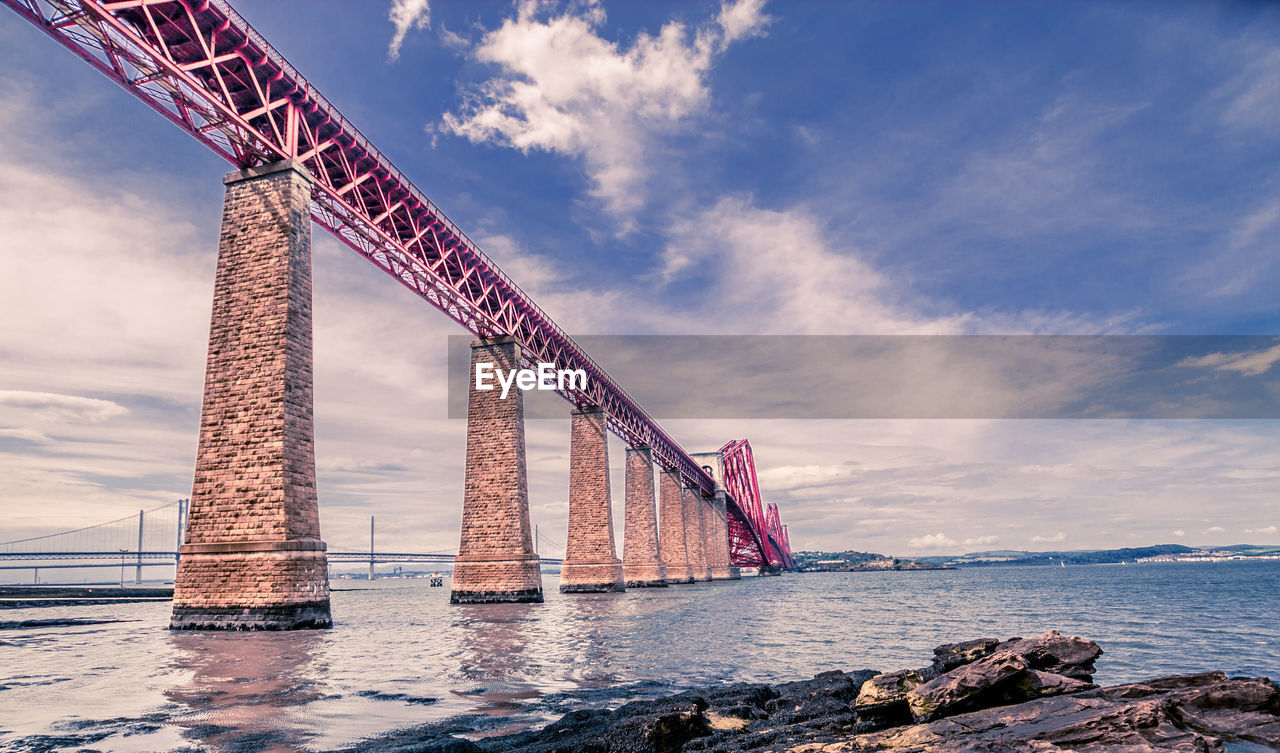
399,654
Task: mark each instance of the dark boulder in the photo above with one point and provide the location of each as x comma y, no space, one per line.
999,679
1057,653
1194,713
825,702
882,701
948,656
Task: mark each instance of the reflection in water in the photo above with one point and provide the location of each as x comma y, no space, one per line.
496,658
243,686
588,623
510,655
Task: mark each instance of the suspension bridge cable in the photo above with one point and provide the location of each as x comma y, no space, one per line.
88,528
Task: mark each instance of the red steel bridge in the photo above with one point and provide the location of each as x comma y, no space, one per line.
203,67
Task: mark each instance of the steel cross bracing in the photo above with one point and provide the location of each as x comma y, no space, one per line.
200,65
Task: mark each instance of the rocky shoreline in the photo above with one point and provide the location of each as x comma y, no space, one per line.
1034,695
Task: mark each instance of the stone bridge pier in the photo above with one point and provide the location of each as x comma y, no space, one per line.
695,532
252,557
496,561
641,554
673,528
590,563
722,567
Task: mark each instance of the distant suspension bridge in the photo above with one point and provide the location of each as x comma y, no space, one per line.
152,539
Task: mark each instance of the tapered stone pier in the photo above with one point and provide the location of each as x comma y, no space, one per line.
695,533
252,558
641,555
590,564
722,567
672,529
496,561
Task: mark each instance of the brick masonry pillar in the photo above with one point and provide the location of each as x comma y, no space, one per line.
671,528
695,536
252,557
641,556
721,567
590,564
496,561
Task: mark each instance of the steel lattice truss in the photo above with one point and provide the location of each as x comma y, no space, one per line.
200,65
757,537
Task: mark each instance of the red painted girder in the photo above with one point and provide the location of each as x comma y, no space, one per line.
758,538
200,65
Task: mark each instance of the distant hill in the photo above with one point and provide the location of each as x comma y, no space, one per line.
1004,557
855,561
1249,549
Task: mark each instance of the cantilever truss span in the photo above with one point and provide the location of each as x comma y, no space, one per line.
772,548
200,65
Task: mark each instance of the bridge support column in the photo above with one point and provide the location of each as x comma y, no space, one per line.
641,559
695,534
496,561
672,529
252,557
590,561
721,567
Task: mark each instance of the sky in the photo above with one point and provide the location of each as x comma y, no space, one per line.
690,168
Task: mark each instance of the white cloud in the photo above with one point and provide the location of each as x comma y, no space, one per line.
54,406
1268,529
1247,363
798,477
741,19
1251,99
1045,175
565,88
1179,533
98,290
1041,539
1215,529
931,541
26,435
803,285
982,541
406,15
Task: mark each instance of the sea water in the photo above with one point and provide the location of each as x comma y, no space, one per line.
399,654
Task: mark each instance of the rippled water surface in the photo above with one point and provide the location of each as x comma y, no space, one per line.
401,655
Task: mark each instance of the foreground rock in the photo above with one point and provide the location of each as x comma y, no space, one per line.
1195,713
1033,695
1052,652
997,680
